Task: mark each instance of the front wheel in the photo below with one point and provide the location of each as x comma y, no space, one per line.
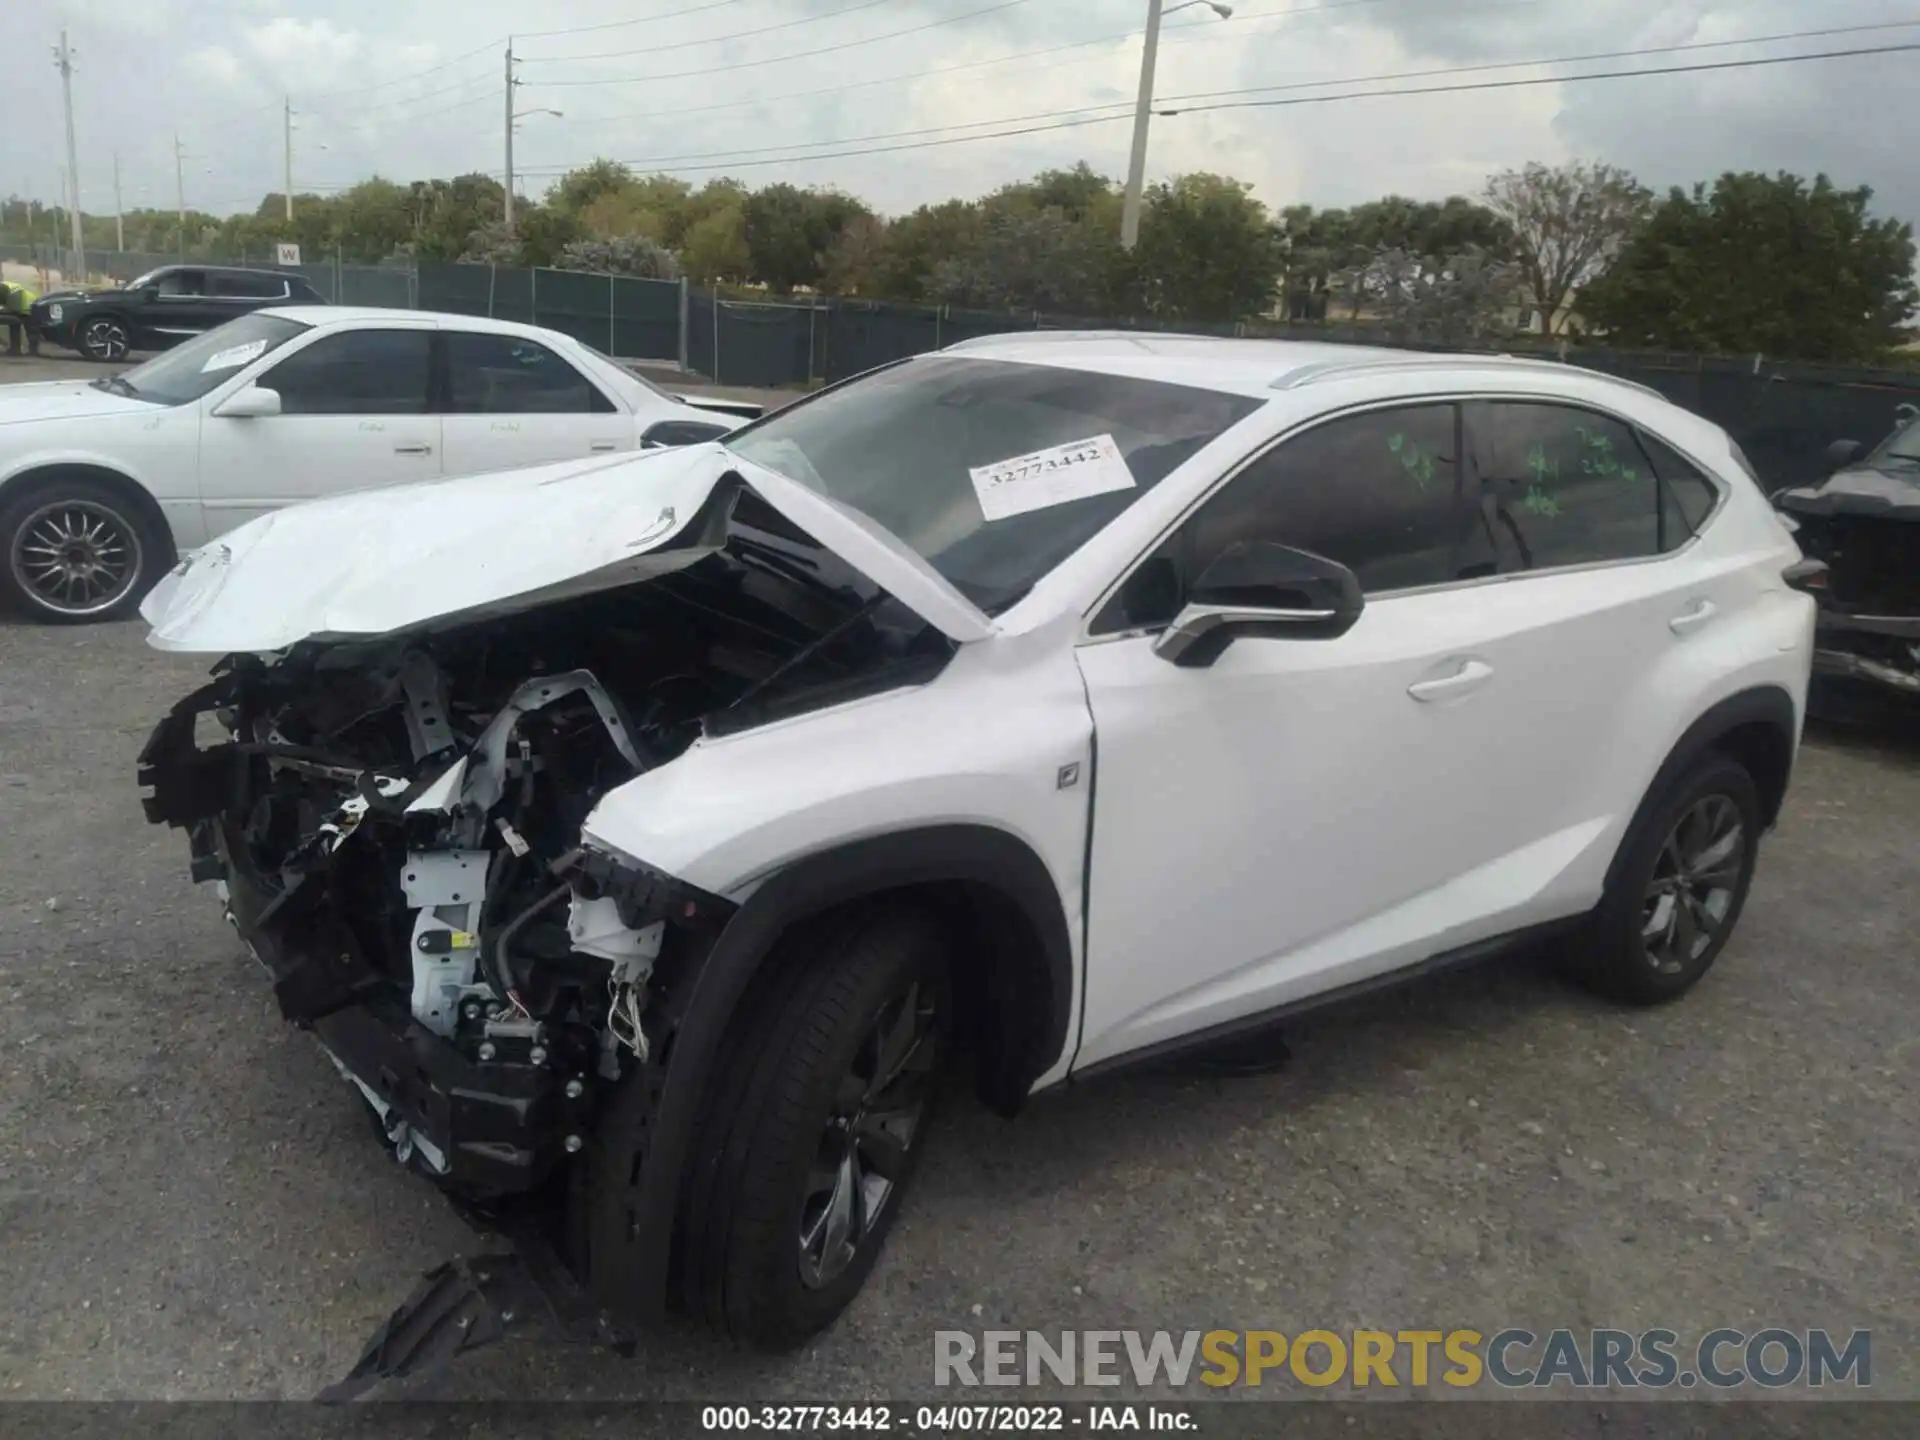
809,1153
105,338
1680,887
76,551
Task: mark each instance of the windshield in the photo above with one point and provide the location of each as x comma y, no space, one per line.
1903,445
190,370
994,472
152,277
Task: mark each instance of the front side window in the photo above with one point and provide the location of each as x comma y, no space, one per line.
356,372
508,375
191,369
1376,491
248,287
180,284
993,471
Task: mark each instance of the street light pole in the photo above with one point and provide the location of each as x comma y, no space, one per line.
1143,113
287,116
63,61
180,188
510,83
119,214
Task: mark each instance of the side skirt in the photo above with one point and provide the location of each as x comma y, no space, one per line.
1463,956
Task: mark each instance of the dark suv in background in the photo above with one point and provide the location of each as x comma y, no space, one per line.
163,307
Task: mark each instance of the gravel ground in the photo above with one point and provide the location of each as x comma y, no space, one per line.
192,1206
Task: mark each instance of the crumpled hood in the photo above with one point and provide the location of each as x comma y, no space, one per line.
64,400
373,562
1892,494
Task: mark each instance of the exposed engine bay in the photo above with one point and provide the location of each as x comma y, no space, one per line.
1864,524
395,827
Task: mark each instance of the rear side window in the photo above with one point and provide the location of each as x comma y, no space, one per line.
247,287
356,372
1687,497
1377,492
508,375
1558,486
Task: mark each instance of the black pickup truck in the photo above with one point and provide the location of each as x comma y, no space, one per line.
162,307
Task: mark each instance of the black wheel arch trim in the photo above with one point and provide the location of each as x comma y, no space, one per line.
977,854
1768,705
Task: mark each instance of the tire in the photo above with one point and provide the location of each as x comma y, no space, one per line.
1656,932
74,551
760,1211
106,338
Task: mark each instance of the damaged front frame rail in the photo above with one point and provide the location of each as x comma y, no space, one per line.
491,1130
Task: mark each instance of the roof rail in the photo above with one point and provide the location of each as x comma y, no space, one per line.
1337,369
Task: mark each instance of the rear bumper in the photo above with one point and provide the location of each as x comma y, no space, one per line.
1883,650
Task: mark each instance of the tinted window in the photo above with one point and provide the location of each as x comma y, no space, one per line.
248,287
506,375
1687,497
1558,486
902,446
357,372
1376,492
182,282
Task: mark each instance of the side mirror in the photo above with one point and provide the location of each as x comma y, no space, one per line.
679,432
1842,453
1260,590
252,403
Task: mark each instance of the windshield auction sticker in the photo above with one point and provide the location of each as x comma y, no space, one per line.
234,356
1051,477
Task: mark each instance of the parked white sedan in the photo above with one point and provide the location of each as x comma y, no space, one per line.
102,483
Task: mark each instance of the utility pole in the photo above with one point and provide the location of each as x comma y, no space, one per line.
119,215
511,82
180,188
1143,113
63,61
288,116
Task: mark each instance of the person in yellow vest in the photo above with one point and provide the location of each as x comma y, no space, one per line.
17,300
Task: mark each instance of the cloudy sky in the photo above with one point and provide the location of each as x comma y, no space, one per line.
409,88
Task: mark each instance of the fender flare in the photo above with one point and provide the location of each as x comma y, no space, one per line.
634,1279
1768,705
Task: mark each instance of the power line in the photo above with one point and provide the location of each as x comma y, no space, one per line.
1215,35
1070,124
1085,111
711,39
459,59
798,54
624,24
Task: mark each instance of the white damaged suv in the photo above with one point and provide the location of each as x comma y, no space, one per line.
639,836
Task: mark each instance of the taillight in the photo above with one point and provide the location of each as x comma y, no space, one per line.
1809,577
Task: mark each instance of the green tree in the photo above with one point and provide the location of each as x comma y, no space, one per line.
715,247
789,232
917,244
1568,226
625,255
1762,264
1207,251
1037,261
581,187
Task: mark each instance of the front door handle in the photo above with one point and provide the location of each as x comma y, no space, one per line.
413,449
606,445
1689,621
1471,675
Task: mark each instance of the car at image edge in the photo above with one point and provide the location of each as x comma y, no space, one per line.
104,482
641,843
162,307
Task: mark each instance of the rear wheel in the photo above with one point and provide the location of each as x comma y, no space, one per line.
809,1151
76,551
1680,887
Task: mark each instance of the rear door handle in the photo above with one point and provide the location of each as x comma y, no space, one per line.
606,445
1471,676
413,449
1693,619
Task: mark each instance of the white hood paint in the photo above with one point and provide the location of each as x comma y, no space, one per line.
66,400
373,562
